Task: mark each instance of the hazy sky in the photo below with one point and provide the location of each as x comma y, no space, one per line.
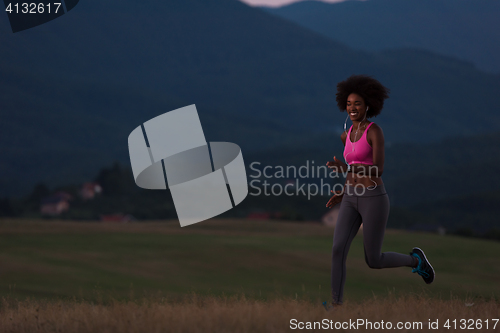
277,3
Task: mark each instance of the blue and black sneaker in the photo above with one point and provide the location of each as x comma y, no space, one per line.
424,268
330,306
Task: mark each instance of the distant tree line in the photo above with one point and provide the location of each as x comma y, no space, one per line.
120,195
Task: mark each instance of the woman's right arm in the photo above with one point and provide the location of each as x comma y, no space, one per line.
343,137
337,196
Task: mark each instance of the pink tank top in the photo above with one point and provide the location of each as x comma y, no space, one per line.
359,151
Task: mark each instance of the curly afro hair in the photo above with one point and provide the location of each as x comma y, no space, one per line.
372,91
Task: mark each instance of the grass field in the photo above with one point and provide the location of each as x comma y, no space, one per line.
259,266
262,260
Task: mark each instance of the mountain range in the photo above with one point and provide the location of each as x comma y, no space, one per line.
465,29
74,88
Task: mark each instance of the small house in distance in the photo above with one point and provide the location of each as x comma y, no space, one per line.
55,204
89,190
330,217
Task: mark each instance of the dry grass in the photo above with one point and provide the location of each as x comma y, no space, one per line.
222,314
53,261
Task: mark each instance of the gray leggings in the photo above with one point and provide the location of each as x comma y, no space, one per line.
372,209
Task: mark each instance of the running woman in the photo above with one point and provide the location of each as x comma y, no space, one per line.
364,199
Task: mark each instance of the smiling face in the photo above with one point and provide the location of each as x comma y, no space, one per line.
356,107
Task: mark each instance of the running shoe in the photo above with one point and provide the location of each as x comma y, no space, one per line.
330,306
424,268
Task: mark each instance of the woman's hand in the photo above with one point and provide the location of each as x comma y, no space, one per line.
337,197
336,164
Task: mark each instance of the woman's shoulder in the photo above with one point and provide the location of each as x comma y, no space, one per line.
374,127
374,131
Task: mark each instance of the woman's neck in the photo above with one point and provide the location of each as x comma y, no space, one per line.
362,123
